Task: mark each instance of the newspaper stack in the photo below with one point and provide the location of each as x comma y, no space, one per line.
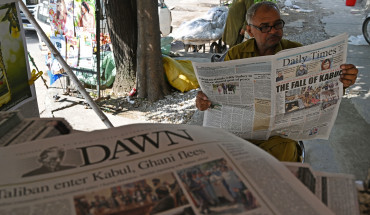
15,129
364,194
334,189
161,169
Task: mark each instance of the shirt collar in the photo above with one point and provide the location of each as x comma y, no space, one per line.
251,47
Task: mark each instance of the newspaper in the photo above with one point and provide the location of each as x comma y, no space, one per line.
15,129
295,93
149,169
337,191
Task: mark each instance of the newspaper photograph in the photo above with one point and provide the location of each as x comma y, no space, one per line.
149,169
295,93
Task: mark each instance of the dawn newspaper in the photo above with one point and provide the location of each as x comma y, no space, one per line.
149,169
295,93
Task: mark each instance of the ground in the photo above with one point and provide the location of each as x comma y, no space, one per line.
177,108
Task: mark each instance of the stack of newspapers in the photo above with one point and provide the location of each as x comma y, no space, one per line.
14,128
155,169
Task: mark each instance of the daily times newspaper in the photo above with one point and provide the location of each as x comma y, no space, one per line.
295,93
149,169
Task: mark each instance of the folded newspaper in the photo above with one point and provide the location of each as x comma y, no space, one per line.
295,93
336,190
15,129
149,169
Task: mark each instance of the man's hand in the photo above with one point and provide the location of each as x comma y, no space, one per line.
242,31
349,74
202,102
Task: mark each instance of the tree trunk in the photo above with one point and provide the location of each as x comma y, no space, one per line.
151,79
134,31
122,25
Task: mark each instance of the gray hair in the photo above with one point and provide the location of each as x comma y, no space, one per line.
44,154
252,10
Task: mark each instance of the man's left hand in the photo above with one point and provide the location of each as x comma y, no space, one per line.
349,74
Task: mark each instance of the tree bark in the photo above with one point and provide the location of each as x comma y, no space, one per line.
134,31
122,25
151,79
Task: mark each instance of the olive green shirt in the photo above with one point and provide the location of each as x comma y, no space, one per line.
235,21
248,49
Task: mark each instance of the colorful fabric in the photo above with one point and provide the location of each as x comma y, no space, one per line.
53,77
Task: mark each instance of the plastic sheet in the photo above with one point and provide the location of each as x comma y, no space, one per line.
357,40
107,74
166,45
180,74
209,27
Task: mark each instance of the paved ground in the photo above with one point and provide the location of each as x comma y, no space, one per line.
348,147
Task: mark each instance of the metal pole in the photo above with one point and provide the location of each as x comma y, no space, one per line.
97,37
65,66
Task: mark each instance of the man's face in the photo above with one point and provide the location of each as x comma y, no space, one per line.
326,65
52,161
83,9
265,16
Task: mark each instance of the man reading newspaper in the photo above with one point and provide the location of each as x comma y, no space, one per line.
266,29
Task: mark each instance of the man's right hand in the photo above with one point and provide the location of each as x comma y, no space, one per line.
202,102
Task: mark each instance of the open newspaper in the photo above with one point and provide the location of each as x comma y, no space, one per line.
149,169
295,93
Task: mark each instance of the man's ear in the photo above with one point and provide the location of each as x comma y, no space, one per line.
249,30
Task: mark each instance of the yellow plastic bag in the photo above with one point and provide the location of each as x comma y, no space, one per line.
180,74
